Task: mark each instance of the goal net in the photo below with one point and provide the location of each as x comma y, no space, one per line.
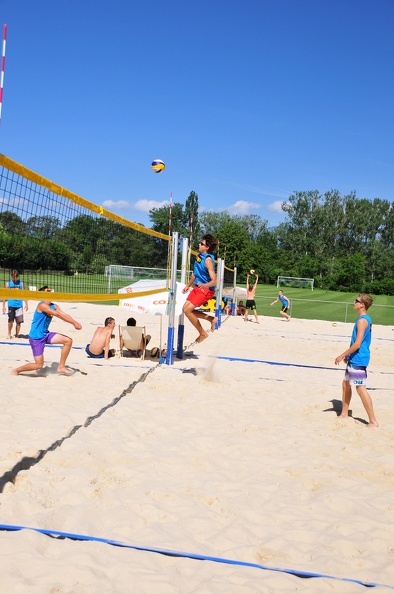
293,281
118,276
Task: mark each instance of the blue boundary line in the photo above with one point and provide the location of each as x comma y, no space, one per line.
55,346
168,552
290,364
276,363
51,346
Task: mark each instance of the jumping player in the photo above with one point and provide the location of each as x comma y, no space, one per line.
204,280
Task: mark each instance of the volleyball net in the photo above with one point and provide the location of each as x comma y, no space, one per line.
54,237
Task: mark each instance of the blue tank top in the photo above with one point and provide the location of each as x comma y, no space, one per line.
200,270
283,300
40,324
17,285
363,355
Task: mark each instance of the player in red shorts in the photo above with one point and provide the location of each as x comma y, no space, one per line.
204,280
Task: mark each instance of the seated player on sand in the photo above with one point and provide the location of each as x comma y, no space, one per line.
204,280
132,322
99,345
241,309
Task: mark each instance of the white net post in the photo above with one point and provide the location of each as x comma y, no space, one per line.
219,292
172,301
234,301
181,322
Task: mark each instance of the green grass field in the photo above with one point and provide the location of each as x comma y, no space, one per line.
319,304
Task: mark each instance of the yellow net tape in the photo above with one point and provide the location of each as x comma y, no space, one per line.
25,295
56,189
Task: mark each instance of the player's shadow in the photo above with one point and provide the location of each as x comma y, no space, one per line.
337,408
52,370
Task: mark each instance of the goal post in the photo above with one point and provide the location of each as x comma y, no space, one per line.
296,282
118,275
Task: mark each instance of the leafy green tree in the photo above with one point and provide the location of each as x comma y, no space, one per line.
192,216
12,223
44,227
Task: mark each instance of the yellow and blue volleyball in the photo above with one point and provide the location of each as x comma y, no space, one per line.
155,352
158,166
252,271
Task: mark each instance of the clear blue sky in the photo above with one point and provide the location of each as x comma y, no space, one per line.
245,101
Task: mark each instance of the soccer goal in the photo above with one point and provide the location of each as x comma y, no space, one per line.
293,281
118,275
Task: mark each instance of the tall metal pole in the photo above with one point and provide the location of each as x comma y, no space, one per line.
172,301
2,67
181,322
234,303
218,310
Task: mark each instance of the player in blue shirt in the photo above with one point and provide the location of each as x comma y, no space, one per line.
285,301
39,336
204,280
357,358
15,306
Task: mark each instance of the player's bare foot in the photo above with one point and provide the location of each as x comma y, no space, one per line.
213,324
64,371
14,372
376,424
343,416
202,337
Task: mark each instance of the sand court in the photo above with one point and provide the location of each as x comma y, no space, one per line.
233,453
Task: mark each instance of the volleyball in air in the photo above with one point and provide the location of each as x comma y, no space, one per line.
158,166
252,271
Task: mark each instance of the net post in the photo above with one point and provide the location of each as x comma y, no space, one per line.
219,292
2,67
172,301
181,323
234,301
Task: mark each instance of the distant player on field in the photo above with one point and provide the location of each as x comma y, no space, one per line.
285,301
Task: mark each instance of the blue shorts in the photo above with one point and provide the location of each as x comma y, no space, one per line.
38,344
356,375
100,356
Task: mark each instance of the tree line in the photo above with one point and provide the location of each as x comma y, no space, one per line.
343,242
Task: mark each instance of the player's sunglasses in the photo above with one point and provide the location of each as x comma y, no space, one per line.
357,301
202,243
